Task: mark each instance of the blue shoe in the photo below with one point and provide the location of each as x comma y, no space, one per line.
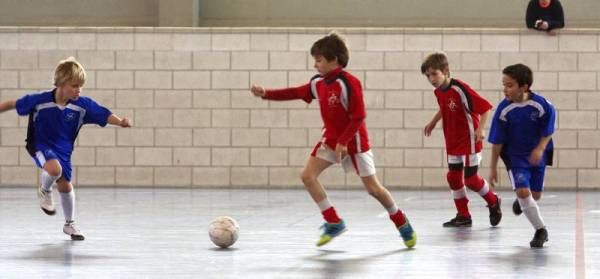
331,230
408,234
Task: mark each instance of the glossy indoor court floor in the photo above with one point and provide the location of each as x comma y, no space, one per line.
162,233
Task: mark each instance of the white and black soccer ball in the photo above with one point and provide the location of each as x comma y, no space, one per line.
223,231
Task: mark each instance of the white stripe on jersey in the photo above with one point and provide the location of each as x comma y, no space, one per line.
313,87
343,94
512,106
81,113
43,106
463,98
357,136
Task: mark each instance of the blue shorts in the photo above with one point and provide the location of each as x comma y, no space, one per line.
532,178
41,157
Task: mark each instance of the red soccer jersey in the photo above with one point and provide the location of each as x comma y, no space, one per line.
342,108
460,107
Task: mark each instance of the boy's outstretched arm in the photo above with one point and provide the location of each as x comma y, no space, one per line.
117,121
284,94
258,91
8,105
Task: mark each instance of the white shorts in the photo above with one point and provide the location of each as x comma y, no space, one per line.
362,163
467,160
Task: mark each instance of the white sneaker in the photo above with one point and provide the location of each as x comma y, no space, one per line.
46,202
72,230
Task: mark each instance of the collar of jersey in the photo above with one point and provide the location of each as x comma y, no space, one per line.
332,75
447,87
54,99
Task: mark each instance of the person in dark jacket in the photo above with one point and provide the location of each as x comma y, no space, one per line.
545,15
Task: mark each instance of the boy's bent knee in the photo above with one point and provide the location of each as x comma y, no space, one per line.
523,192
307,177
455,179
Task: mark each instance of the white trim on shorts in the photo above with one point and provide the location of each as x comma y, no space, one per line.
473,160
365,161
40,158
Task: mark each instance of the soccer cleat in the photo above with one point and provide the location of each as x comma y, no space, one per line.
72,230
495,212
539,238
459,221
46,202
330,231
408,234
517,207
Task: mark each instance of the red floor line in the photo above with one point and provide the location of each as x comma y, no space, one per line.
579,239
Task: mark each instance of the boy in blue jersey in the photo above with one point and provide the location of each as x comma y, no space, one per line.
55,118
521,135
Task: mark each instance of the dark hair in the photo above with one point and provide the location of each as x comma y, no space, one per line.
520,73
331,47
435,61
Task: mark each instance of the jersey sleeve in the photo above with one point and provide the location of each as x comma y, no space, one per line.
548,119
498,129
302,92
26,104
479,104
95,113
356,111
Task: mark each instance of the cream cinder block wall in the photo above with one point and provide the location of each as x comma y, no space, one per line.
196,124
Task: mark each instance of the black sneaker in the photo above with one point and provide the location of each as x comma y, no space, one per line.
495,212
517,207
539,238
459,221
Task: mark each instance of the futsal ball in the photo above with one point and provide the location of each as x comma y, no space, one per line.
223,231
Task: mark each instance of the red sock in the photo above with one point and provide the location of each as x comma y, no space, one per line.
490,198
330,215
461,206
398,218
477,184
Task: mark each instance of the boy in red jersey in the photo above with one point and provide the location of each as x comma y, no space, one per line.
460,110
345,138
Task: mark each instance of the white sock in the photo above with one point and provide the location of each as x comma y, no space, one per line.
532,212
324,204
392,209
485,189
47,180
459,194
68,205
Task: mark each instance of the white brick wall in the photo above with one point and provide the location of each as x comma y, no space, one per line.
196,124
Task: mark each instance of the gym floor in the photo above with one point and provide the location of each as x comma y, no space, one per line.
162,233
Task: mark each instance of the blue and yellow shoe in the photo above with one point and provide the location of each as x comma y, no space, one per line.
331,230
408,234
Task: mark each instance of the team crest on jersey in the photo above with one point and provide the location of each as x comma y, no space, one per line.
534,116
452,104
70,116
333,99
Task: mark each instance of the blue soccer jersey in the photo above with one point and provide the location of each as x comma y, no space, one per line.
519,128
55,127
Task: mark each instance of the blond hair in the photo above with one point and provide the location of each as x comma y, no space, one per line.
69,71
